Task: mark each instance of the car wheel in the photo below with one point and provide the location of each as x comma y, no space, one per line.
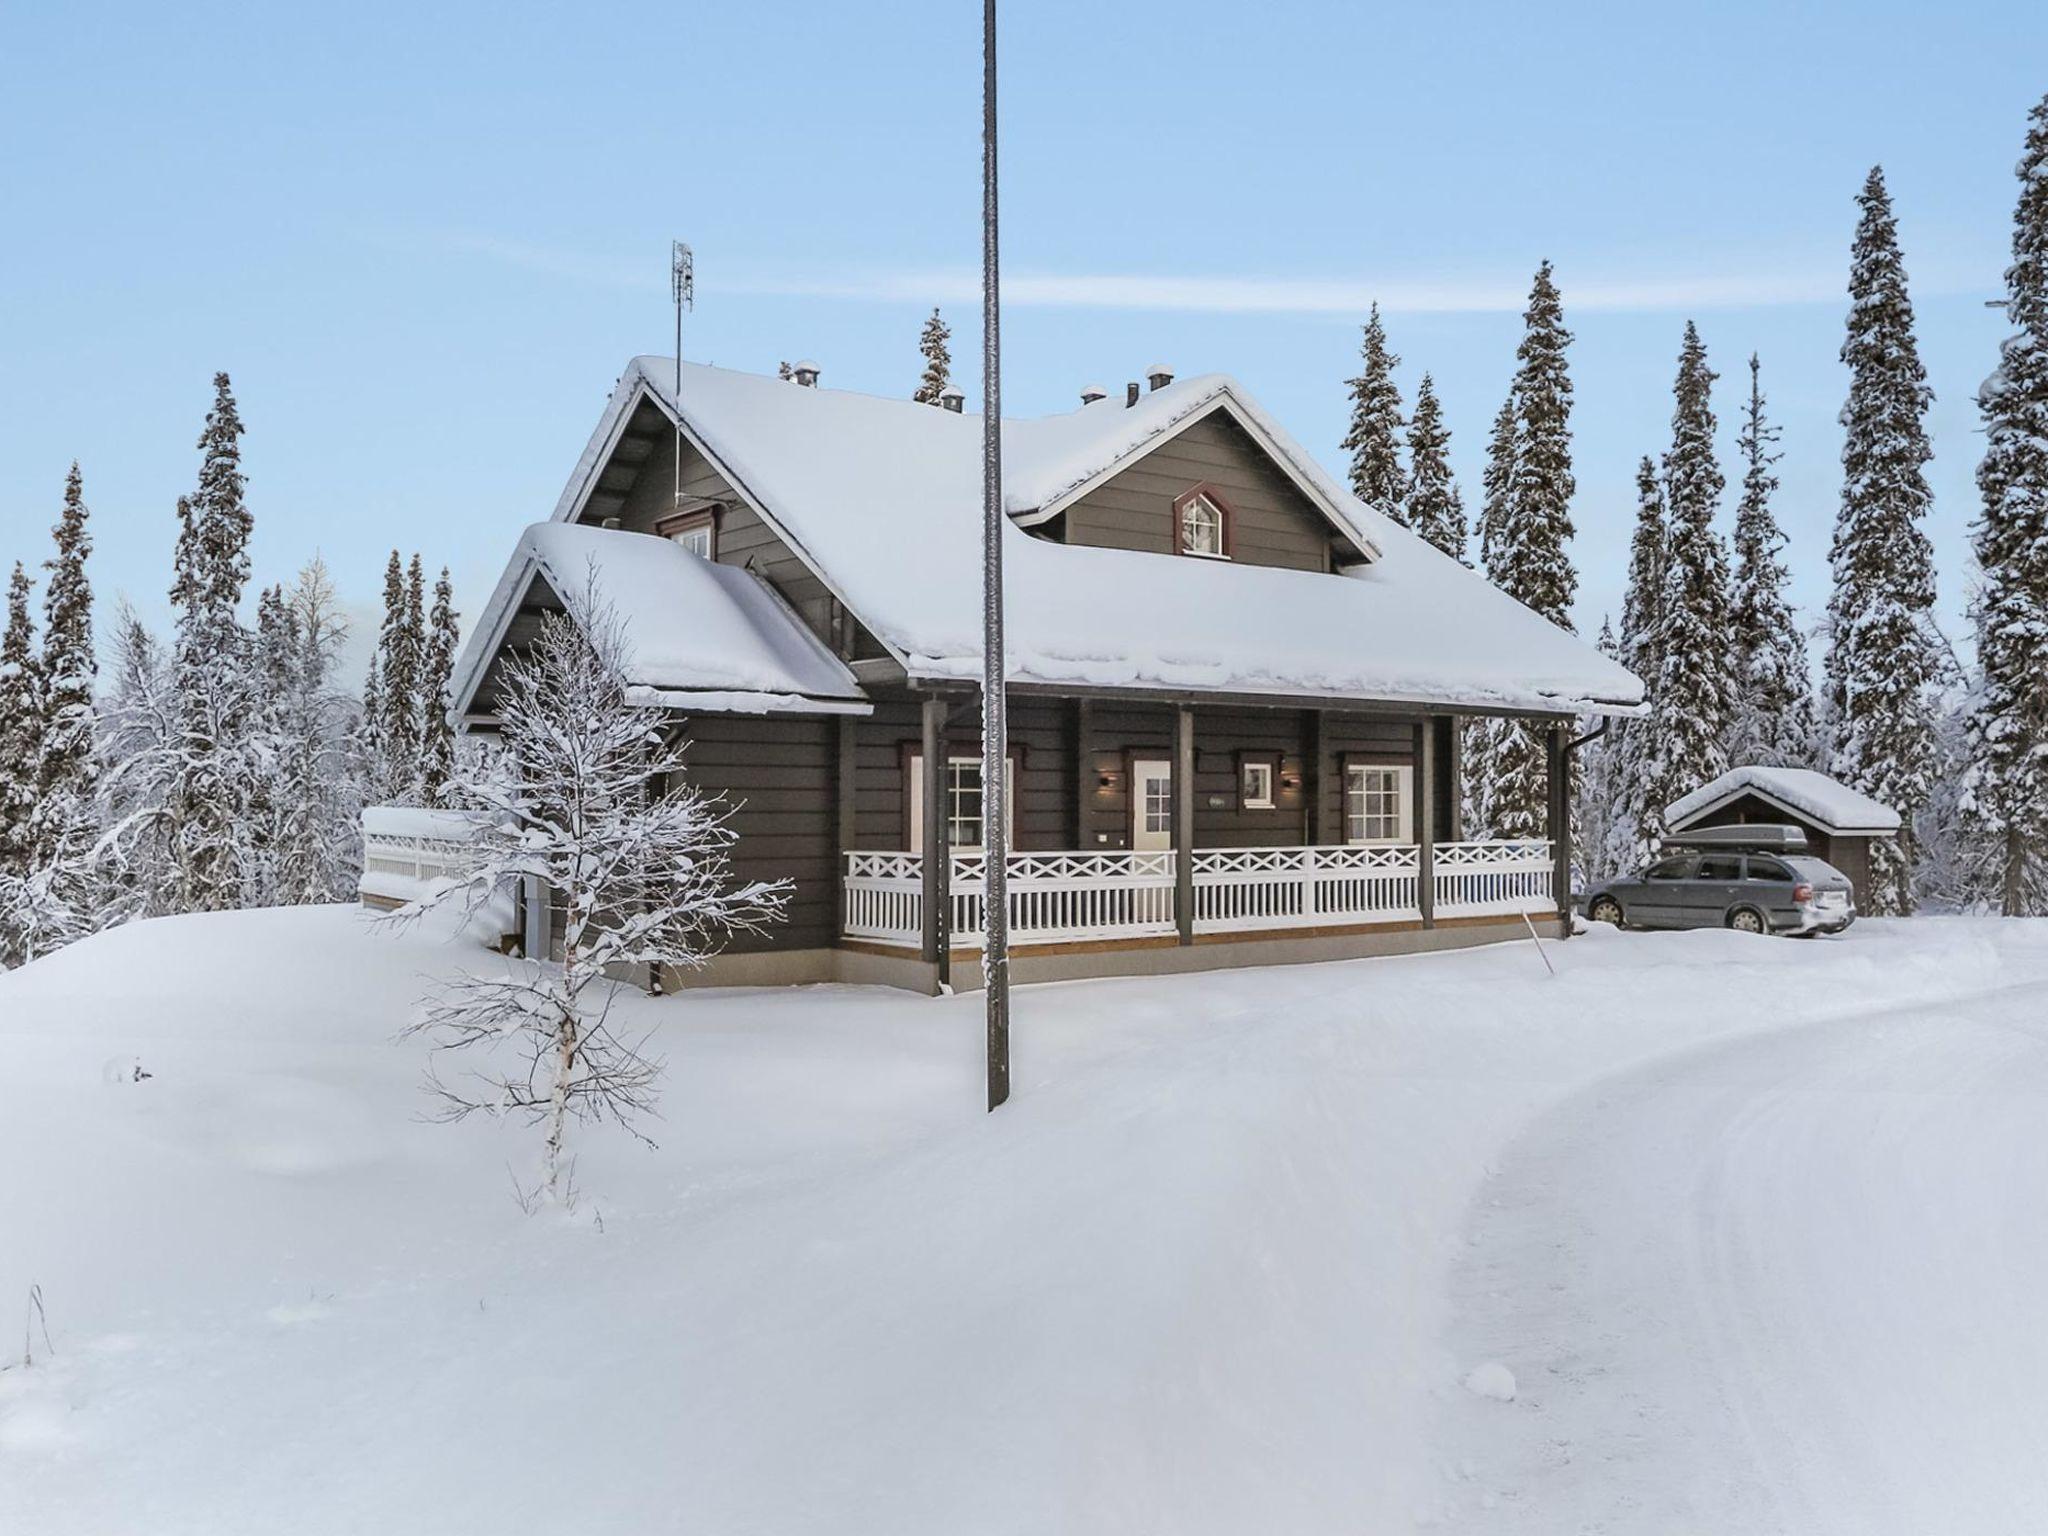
1746,920
1605,909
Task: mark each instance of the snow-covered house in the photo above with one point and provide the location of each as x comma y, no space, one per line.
1839,822
1235,689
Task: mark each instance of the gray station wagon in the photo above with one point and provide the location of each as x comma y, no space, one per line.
1752,879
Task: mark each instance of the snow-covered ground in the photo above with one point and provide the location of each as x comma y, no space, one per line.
1706,1233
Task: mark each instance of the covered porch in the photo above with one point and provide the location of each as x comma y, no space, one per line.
1189,809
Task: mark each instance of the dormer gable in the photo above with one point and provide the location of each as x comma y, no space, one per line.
1207,491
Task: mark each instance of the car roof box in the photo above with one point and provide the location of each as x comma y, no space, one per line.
1763,838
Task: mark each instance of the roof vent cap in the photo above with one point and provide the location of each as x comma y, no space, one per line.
952,399
1157,377
1090,393
806,373
1130,394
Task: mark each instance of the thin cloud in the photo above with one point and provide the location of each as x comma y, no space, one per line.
1312,297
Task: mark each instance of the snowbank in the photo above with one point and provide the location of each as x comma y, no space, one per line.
1195,1278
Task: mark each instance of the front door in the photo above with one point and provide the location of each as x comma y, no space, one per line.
1151,803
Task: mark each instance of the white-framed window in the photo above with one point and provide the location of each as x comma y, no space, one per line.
695,531
1379,802
1255,786
962,802
1201,525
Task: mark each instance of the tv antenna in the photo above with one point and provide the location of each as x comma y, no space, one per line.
682,271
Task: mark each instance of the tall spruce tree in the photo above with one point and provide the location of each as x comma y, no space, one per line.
1497,489
209,781
1694,691
1773,721
1882,655
1435,509
1374,441
1530,558
2005,802
21,725
398,659
1639,648
938,361
1480,737
67,769
437,735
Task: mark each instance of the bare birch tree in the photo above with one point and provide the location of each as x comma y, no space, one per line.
587,797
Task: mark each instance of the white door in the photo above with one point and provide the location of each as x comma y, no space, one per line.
1151,803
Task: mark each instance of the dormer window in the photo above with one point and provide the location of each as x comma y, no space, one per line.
1202,520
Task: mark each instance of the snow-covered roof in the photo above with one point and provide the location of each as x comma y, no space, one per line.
1828,803
880,498
699,635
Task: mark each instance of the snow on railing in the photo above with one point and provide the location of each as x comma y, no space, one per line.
1480,879
406,849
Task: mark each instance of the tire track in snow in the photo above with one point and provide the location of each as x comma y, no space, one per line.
1796,1281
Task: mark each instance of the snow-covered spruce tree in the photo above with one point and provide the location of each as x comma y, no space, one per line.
437,675
1374,441
589,798
1480,745
1694,692
1435,509
1773,723
21,734
1531,559
21,723
2005,801
139,741
208,788
52,896
1637,647
938,361
397,735
1601,805
322,851
1882,656
67,775
275,659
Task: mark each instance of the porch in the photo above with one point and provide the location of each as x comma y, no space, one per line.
1079,898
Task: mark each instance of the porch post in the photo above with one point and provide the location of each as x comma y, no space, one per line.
1454,740
1184,824
1561,822
1425,820
1325,826
843,829
1084,775
938,852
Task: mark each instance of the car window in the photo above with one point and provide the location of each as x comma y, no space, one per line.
1669,869
1720,866
1768,869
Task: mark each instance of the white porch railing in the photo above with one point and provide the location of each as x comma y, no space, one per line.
1063,897
1481,879
1251,888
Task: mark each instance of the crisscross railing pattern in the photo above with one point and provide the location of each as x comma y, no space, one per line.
1480,879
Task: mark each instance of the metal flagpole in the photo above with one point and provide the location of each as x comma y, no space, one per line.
682,271
995,752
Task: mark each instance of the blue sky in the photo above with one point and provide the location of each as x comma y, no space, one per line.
423,239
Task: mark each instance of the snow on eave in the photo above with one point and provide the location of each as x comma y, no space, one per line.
1803,793
1031,501
530,565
